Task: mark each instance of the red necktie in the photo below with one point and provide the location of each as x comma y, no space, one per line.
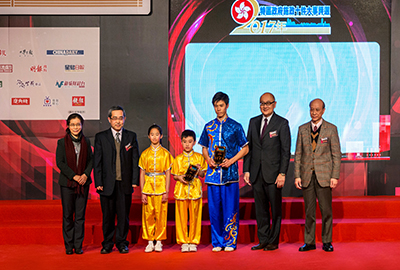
315,129
264,128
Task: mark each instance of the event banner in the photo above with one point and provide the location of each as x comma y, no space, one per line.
94,7
49,73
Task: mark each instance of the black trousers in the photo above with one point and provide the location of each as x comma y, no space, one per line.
266,197
118,204
74,208
324,195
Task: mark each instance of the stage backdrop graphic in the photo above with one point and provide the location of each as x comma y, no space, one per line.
52,72
298,50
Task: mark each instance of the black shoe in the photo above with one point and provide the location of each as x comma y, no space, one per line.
271,247
259,246
69,251
327,247
307,247
123,249
105,251
79,251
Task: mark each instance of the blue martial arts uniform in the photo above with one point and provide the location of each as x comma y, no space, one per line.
223,186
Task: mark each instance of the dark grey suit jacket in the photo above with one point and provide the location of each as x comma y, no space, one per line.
65,171
272,156
105,158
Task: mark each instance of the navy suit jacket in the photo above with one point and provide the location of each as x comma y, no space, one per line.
105,158
272,156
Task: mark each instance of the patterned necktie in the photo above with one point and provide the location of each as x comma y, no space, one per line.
314,142
118,139
264,128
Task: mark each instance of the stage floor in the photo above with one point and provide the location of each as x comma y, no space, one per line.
347,255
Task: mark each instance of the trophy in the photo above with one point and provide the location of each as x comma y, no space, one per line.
191,173
219,154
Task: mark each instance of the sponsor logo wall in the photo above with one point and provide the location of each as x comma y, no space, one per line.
44,71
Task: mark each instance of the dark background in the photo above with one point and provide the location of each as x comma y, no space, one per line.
134,74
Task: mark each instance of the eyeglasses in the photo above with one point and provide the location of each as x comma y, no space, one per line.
268,103
114,118
75,125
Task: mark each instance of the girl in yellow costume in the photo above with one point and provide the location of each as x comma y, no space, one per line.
188,195
155,163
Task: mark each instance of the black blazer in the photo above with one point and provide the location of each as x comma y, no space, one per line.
65,171
273,154
105,157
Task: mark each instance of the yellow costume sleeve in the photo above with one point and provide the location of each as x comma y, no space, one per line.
143,160
175,166
202,162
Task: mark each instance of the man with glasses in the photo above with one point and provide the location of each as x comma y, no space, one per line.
265,168
116,173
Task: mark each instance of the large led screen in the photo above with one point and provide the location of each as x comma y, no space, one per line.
343,74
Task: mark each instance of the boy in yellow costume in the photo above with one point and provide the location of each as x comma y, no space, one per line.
155,163
188,194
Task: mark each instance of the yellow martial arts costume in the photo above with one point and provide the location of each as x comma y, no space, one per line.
155,162
188,197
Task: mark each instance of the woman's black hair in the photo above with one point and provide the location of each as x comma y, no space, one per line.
73,116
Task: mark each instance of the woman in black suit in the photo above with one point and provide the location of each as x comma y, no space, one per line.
75,161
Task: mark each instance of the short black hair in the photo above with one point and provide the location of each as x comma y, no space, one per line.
188,133
156,127
115,108
73,116
220,96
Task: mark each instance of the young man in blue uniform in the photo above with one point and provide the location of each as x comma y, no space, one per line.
222,179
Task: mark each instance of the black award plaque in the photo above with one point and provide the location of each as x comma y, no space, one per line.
191,173
219,154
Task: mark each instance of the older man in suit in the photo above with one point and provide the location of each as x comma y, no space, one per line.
316,170
265,168
116,173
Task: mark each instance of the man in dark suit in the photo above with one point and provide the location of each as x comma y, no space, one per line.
316,171
265,168
116,173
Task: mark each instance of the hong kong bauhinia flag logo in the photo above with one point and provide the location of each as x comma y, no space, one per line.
242,11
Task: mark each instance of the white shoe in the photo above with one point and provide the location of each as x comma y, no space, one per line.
217,249
158,246
149,247
229,249
185,248
192,247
